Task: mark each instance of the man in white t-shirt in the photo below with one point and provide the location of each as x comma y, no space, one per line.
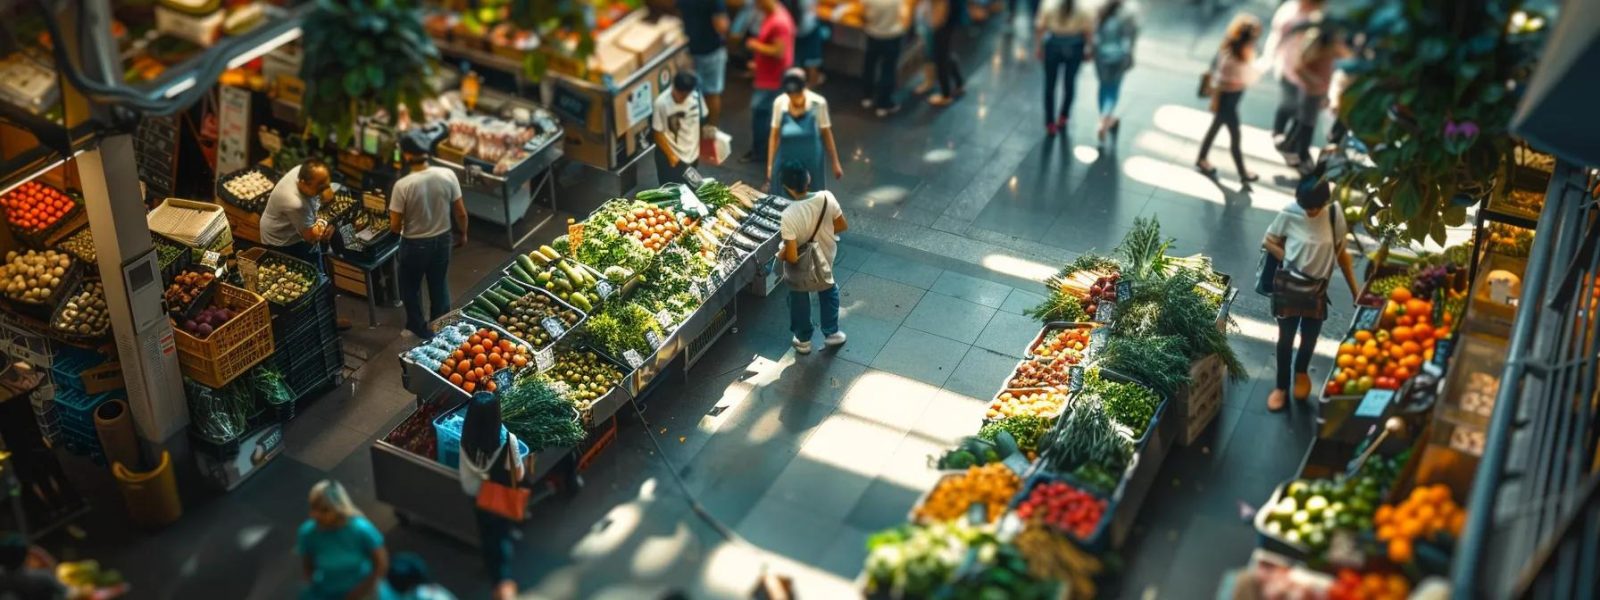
812,218
676,127
885,23
289,221
420,211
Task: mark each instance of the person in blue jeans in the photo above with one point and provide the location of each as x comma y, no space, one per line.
813,218
1116,33
420,212
1063,34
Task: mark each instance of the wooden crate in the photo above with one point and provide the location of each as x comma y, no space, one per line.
1199,402
348,278
246,225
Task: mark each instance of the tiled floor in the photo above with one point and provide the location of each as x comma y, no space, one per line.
955,216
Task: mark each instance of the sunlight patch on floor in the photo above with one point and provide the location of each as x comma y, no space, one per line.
1086,154
1267,331
1017,267
1183,179
1191,123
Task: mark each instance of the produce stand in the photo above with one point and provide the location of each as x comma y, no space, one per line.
608,123
501,194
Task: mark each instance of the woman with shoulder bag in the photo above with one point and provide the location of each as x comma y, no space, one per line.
490,466
1231,75
1303,245
810,227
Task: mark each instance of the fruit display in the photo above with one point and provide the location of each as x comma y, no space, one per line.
1310,510
87,579
33,276
81,246
1039,373
1063,507
208,320
473,363
991,485
1039,403
1425,513
283,282
524,317
416,434
1509,240
1386,358
652,226
1426,280
186,288
84,312
1369,586
587,376
249,190
34,207
1068,344
1479,394
571,282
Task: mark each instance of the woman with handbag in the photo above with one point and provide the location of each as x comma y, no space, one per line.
1232,72
810,229
1115,36
490,471
341,552
1303,245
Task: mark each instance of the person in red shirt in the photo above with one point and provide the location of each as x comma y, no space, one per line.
773,48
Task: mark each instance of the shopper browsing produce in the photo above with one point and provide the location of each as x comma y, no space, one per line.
675,125
1308,241
420,211
817,219
289,223
341,552
489,453
802,131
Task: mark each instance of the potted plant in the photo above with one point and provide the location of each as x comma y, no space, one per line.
363,56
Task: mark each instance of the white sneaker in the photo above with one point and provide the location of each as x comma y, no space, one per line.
802,347
866,103
837,339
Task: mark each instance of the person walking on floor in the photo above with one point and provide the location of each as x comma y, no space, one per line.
289,222
422,208
810,229
802,132
341,552
1116,33
809,34
675,124
1313,75
1308,240
922,25
1063,35
944,16
1283,49
1232,72
489,453
885,23
410,580
705,23
774,53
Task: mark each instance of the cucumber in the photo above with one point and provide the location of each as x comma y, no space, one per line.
496,298
474,312
509,290
522,275
658,194
563,285
572,274
487,306
526,264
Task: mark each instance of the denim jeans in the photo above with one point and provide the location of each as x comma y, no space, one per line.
882,62
761,121
494,542
425,259
1063,55
1110,92
800,313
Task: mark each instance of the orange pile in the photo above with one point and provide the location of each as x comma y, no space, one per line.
474,364
993,484
1369,586
1428,511
652,226
1386,358
35,207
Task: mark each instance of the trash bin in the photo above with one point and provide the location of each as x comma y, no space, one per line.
152,496
118,441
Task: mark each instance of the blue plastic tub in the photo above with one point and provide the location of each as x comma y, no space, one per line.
447,428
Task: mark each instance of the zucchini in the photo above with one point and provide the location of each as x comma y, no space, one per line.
508,289
496,298
521,275
549,253
526,264
580,302
658,194
571,273
487,306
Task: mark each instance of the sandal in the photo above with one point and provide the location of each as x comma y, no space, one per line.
1206,168
1302,386
1276,400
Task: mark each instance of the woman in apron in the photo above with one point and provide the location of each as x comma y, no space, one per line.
802,131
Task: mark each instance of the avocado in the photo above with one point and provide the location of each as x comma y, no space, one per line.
958,459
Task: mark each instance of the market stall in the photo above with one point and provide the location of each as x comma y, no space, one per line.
582,327
846,50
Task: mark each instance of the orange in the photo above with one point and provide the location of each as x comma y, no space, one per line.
1397,351
1401,334
1417,308
1441,493
1386,533
1345,360
1370,350
1411,348
1400,551
1402,374
1422,331
1385,512
1400,294
1363,335
1347,348
1405,321
1372,371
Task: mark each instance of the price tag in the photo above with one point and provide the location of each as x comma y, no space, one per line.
632,358
503,379
554,326
545,359
561,387
604,289
977,514
348,231
1441,351
1124,290
1373,404
1017,463
1344,551
719,275
654,340
698,289
1098,337
1105,312
211,259
1367,317
1075,378
664,319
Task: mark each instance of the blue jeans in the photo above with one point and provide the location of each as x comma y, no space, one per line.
494,543
1062,57
761,121
800,313
1110,91
425,259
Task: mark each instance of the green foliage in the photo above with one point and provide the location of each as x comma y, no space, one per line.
1130,404
539,415
1173,306
1143,251
548,17
1027,429
1084,435
1158,360
362,56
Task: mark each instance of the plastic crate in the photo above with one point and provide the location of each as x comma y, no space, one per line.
85,340
233,348
253,204
42,311
447,429
70,363
75,412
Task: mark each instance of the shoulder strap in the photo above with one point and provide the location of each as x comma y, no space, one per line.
823,214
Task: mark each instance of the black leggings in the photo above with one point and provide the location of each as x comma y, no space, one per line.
1309,330
944,59
1227,114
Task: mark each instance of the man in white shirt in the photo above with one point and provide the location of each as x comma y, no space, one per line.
420,211
289,222
813,218
676,127
885,23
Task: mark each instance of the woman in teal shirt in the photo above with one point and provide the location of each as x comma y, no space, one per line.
341,550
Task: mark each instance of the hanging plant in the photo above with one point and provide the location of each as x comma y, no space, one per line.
1432,89
363,56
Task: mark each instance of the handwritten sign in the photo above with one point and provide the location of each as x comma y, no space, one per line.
664,319
1075,378
503,379
1374,403
1105,312
1124,290
554,326
211,259
632,358
1098,338
654,340
604,289
1367,317
545,359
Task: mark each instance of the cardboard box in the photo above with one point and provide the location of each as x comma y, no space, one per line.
632,106
643,40
586,147
614,61
102,379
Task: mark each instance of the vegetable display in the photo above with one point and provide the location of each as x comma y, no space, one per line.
623,327
1386,358
1311,509
1053,557
81,246
1025,430
1010,403
282,282
186,288
1084,435
35,207
654,227
539,415
586,375
208,320
166,254
473,363
981,450
991,485
523,317
1039,373
1066,344
1369,586
1070,289
1063,507
33,276
1130,405
548,269
914,561
416,434
85,312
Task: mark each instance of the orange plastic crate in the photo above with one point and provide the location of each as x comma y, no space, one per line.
234,347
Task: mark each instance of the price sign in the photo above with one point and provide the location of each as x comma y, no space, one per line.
604,289
977,514
1098,337
247,272
1441,351
574,234
1017,463
502,379
1075,378
1124,290
1367,318
664,319
554,326
348,231
698,290
1373,404
561,387
632,358
719,275
654,340
211,259
1105,312
545,359
1344,551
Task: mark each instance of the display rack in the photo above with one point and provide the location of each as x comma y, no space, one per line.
482,189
